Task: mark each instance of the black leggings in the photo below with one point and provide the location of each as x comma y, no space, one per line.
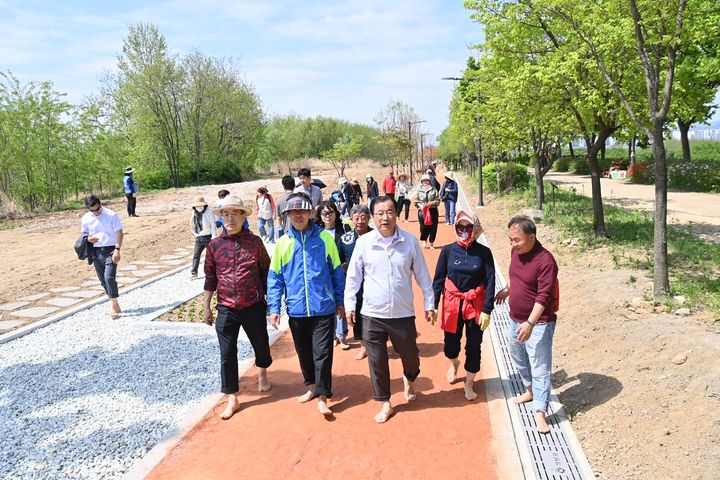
473,341
403,203
428,232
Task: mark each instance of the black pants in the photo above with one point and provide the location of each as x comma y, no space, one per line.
402,334
313,338
200,243
473,341
227,326
106,270
403,203
428,232
357,328
131,201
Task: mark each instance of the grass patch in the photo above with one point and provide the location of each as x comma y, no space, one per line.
190,311
694,264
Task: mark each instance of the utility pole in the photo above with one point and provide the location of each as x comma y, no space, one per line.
410,124
478,140
422,148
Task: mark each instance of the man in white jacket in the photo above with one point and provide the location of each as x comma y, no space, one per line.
385,260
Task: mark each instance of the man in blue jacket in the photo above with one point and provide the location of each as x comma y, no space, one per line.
306,268
131,190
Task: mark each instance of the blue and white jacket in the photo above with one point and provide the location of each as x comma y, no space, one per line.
306,268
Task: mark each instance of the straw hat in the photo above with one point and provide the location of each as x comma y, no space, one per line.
402,176
425,177
450,174
129,170
233,202
199,202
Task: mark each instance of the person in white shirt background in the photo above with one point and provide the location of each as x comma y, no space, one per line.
104,230
384,261
202,226
265,212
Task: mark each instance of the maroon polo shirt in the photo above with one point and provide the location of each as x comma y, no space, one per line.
532,280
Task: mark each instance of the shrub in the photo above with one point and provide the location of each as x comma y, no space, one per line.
562,164
511,176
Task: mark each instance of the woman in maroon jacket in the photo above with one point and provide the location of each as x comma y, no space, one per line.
236,266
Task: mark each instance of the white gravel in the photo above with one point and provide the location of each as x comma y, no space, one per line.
87,396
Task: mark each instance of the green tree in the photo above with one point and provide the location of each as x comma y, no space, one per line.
346,149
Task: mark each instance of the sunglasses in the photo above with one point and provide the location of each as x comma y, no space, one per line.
327,214
464,228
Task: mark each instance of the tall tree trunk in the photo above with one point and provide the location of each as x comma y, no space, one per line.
661,280
593,147
539,187
572,152
684,140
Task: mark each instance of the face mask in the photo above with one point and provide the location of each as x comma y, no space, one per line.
198,209
464,238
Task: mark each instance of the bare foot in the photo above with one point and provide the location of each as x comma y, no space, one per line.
336,342
233,405
385,413
409,390
344,345
525,397
114,314
362,353
452,371
263,383
541,422
323,406
307,396
470,394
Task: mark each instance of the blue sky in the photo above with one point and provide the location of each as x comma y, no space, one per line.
344,59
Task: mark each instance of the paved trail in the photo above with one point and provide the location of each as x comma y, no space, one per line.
440,435
701,211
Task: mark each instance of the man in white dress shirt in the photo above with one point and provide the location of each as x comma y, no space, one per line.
385,260
104,230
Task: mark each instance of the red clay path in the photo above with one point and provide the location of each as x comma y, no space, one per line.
440,435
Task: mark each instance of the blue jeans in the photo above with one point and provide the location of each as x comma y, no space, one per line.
533,360
450,212
341,327
270,234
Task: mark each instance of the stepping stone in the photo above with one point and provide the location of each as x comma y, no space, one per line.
8,307
37,296
126,280
82,294
127,268
175,262
64,289
142,262
63,301
90,283
8,324
170,257
144,273
35,312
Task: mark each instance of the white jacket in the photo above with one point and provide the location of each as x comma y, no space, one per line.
265,210
208,224
387,276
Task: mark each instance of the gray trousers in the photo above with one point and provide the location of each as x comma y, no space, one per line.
106,270
402,335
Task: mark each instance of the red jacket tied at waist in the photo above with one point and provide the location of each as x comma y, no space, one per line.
472,305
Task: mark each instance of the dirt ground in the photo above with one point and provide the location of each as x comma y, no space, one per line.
643,388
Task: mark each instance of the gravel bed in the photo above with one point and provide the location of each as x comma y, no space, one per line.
87,396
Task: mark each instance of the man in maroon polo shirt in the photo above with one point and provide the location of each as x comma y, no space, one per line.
236,265
533,280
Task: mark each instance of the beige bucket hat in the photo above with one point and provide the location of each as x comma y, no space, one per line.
233,202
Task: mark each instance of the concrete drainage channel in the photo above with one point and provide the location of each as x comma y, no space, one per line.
557,455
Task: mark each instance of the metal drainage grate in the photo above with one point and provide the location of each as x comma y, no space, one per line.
554,456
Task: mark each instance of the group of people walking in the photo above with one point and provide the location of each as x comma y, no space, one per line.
335,277
326,272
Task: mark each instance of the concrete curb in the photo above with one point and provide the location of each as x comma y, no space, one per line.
27,329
